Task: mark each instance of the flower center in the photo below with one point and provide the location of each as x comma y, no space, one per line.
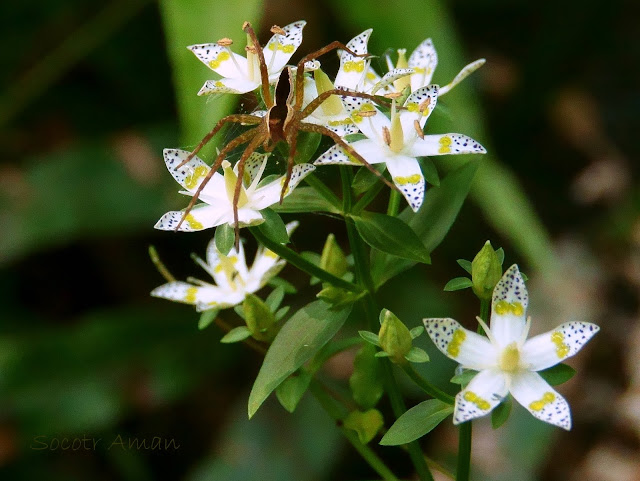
230,181
397,136
405,81
227,265
332,106
510,358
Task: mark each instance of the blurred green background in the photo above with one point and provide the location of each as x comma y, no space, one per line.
91,93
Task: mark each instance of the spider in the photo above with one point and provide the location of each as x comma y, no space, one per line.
283,121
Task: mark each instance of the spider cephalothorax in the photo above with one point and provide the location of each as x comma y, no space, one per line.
283,120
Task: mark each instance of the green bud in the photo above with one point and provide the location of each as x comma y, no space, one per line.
486,271
395,338
366,424
259,318
333,259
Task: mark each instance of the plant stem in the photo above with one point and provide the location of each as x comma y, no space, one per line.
301,263
426,386
363,273
394,203
323,190
365,451
367,198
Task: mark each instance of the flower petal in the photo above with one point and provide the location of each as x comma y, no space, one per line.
540,399
336,155
187,293
446,144
221,60
463,74
352,69
407,176
508,307
228,86
419,106
389,78
224,269
550,348
269,194
370,125
191,174
423,60
485,391
202,216
471,350
280,48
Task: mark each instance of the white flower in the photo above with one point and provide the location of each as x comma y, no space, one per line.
422,61
233,280
240,74
507,361
399,140
217,194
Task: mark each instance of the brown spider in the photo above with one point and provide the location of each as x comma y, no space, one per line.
282,122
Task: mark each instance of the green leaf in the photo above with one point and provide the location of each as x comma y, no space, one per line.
304,199
417,355
299,339
290,392
370,337
366,380
466,265
458,283
207,317
286,285
416,331
391,235
417,422
224,237
274,299
382,354
366,424
339,298
558,374
236,334
273,227
429,171
501,412
365,179
500,254
306,146
239,310
464,378
282,312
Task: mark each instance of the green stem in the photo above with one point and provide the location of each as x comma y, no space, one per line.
423,384
394,203
367,198
464,452
301,263
371,308
365,451
323,190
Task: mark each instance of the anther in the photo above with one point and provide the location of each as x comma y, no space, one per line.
386,135
278,31
393,95
416,125
251,49
424,105
367,113
246,25
225,42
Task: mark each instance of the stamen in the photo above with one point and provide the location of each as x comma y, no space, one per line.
487,331
251,49
202,264
393,95
416,125
389,62
225,42
258,176
246,25
367,113
525,331
278,31
386,135
424,105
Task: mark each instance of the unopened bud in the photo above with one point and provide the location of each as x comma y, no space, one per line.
259,318
486,271
333,259
395,338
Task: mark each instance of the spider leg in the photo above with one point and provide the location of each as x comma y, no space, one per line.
251,147
312,56
264,73
315,103
234,118
350,150
241,139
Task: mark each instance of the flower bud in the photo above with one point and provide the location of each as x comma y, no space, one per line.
486,271
395,338
333,259
259,318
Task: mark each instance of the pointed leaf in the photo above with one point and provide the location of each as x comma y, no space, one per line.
290,392
391,235
286,285
500,254
370,337
417,422
207,317
299,339
466,265
501,412
366,424
458,283
236,334
417,355
224,237
273,227
416,332
304,199
366,381
558,374
464,377
274,299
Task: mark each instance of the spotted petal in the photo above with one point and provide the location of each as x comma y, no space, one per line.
407,176
508,307
270,193
352,68
485,391
228,86
193,173
423,60
188,293
389,78
202,216
335,155
540,399
369,124
446,144
280,48
550,348
471,350
418,107
225,269
221,60
463,74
